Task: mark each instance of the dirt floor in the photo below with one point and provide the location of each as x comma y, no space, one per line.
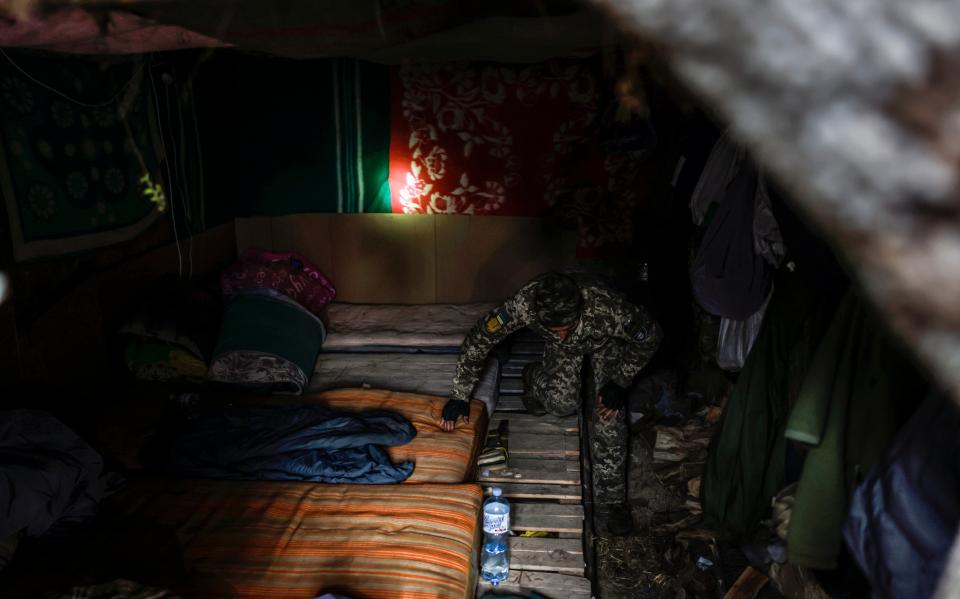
669,554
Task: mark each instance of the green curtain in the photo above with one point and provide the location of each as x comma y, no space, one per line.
287,136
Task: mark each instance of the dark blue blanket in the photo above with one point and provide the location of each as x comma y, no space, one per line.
50,478
309,443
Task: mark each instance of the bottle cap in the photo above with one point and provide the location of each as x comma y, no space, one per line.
496,491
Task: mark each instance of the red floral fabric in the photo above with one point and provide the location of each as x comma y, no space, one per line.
288,273
518,140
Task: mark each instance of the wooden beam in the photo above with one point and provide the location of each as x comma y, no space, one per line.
748,585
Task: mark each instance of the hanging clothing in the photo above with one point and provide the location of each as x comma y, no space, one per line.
746,464
728,277
905,515
742,244
723,165
858,390
736,338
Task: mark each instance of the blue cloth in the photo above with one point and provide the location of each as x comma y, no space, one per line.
309,443
904,517
49,477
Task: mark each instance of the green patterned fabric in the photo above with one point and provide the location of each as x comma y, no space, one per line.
69,173
293,136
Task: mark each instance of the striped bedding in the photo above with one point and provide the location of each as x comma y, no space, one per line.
300,540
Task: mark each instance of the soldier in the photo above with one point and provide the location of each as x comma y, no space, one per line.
579,319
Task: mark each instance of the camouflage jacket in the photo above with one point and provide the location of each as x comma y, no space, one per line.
606,315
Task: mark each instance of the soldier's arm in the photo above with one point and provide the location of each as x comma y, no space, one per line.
642,335
512,315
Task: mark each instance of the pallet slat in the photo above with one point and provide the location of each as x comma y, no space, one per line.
535,491
564,556
531,470
511,386
533,347
547,517
550,446
547,584
528,423
523,359
512,369
509,403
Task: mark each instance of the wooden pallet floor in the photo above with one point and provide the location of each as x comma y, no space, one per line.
543,484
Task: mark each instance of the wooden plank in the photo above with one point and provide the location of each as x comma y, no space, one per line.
547,555
509,403
511,386
531,470
748,586
523,359
536,491
528,423
548,584
554,446
547,517
513,369
532,347
526,334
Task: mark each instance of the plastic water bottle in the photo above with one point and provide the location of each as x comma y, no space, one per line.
495,561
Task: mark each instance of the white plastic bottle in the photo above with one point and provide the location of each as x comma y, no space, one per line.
495,561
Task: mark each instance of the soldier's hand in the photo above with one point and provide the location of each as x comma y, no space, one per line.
453,411
611,400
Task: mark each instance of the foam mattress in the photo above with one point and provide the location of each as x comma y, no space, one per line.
394,327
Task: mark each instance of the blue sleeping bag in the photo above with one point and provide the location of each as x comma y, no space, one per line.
309,443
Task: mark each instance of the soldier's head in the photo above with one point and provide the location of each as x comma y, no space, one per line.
557,303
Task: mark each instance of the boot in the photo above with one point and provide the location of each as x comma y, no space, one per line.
613,518
530,401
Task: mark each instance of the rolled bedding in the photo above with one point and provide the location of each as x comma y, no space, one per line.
268,343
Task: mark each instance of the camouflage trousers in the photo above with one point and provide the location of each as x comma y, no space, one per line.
557,385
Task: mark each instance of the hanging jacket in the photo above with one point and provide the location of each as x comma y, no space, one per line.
728,277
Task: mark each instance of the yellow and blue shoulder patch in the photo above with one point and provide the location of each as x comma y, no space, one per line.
497,321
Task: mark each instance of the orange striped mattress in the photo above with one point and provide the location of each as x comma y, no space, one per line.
299,540
439,457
